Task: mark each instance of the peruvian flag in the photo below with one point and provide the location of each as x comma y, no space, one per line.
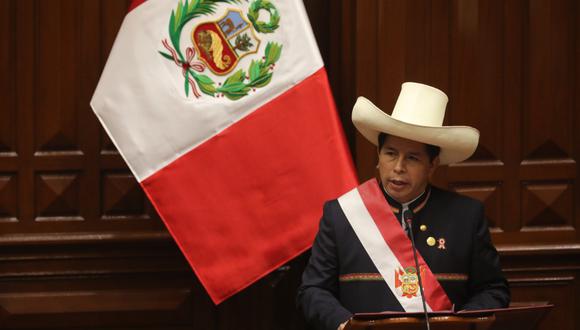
223,112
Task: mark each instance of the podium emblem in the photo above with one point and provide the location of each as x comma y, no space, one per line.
407,281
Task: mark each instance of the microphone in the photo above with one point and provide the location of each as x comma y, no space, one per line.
408,218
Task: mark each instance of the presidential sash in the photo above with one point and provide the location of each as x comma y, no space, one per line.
390,249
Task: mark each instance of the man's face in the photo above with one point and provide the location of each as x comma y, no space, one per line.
405,168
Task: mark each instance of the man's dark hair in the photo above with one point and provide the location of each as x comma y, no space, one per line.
432,151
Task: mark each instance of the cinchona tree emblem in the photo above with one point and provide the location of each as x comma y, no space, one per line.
219,45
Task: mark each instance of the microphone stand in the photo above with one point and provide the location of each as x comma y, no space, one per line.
408,217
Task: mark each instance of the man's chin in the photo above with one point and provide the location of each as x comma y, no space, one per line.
399,196
398,191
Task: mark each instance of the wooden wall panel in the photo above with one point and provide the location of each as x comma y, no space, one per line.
556,289
547,205
547,199
8,197
547,273
50,284
476,51
8,130
57,197
491,196
56,69
121,196
549,83
66,174
7,79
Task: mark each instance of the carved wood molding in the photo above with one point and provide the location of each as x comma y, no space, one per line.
67,302
83,238
539,249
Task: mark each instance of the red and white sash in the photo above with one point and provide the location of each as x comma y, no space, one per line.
390,249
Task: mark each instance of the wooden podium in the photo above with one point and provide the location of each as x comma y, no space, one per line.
521,318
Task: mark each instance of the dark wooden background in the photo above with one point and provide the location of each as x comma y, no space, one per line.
80,246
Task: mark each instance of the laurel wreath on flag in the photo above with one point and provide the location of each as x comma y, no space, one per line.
240,83
254,12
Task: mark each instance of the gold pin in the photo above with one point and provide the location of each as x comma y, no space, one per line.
423,228
431,241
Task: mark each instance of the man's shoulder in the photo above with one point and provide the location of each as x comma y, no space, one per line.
333,218
452,206
333,210
331,204
450,198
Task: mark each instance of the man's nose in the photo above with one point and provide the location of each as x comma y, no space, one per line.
400,164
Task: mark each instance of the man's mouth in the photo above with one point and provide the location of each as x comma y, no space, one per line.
397,183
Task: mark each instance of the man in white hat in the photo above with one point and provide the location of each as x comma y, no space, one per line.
362,258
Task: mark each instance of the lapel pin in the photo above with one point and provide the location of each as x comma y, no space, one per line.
430,241
441,243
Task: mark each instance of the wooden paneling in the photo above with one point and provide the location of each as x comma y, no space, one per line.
548,273
61,286
550,44
491,196
56,72
7,79
66,176
121,196
57,197
476,51
533,289
8,197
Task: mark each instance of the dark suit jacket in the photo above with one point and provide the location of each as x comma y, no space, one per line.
468,268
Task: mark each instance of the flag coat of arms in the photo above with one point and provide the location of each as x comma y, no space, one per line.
223,112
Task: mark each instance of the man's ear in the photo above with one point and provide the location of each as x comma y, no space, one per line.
434,165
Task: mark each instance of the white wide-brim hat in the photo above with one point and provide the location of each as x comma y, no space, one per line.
418,115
